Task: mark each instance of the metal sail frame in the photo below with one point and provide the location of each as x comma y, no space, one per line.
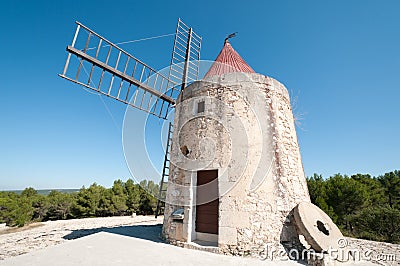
146,88
138,85
132,81
185,59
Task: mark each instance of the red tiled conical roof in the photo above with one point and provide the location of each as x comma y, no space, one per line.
228,61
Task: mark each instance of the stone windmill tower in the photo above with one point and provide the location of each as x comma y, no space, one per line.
236,169
234,166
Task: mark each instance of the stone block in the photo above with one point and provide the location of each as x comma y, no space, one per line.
227,236
236,219
179,232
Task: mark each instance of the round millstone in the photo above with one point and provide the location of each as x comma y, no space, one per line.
317,227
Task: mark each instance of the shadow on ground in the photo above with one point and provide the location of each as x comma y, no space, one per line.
146,232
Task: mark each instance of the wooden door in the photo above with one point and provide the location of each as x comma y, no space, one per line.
207,213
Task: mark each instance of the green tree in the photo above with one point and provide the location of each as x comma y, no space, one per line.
147,203
16,210
346,196
60,205
118,198
379,223
391,185
29,192
41,205
151,187
132,192
88,201
104,207
146,206
374,187
317,189
8,202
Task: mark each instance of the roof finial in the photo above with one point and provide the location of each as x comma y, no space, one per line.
230,36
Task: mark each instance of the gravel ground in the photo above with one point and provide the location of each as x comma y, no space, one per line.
42,235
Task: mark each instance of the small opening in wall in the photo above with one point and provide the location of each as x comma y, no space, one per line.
200,107
185,151
321,227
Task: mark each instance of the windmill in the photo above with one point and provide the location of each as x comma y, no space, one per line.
115,73
232,160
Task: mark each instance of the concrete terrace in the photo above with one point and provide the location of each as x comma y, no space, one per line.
107,241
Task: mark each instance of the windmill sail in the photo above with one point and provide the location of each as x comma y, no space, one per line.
97,64
105,68
185,59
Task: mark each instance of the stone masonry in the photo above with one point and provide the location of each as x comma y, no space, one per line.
247,132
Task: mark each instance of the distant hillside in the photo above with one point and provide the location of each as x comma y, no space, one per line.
46,192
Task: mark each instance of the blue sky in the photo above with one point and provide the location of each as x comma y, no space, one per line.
340,59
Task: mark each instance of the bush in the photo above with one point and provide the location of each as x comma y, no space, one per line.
378,223
95,201
362,206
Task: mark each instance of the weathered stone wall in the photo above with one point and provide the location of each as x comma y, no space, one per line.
247,132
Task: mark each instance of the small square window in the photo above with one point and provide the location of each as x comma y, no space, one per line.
200,107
